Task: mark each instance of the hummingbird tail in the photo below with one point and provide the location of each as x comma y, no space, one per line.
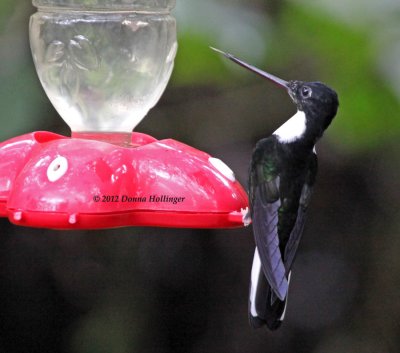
265,308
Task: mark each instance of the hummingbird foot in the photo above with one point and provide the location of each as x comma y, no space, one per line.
246,218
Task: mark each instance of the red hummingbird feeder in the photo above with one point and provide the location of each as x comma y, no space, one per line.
104,66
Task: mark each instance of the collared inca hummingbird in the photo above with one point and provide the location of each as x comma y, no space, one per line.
282,174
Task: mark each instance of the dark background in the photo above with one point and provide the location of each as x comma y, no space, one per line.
174,290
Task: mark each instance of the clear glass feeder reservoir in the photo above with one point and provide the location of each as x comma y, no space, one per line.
103,63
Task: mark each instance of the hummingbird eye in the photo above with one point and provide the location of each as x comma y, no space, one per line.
306,92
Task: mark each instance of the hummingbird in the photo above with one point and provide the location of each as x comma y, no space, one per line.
282,175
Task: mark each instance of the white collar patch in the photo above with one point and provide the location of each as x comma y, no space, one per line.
293,129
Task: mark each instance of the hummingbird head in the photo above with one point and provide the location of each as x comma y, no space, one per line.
318,102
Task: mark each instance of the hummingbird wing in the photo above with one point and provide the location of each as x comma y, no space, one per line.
265,202
295,235
275,251
268,277
265,223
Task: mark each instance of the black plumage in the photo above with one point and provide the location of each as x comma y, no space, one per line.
281,177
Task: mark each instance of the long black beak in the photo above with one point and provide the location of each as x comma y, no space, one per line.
264,74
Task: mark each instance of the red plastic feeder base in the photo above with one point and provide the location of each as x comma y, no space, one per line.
51,181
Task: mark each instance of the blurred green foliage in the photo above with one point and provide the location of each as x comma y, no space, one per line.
6,8
216,23
343,56
309,44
